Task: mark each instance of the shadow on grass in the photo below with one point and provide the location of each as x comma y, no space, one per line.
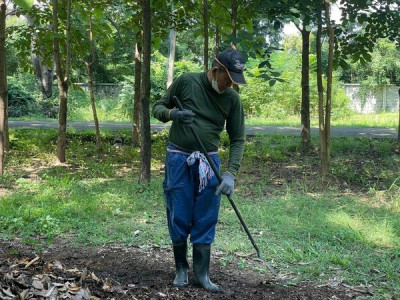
330,237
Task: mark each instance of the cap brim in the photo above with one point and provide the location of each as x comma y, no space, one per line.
237,78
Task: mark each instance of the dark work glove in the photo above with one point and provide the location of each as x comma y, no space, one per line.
183,117
227,184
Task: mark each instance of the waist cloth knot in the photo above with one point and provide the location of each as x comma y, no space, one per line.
205,170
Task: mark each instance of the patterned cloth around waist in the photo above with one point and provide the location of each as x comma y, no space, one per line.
205,170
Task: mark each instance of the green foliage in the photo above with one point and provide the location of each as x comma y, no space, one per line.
20,99
46,226
13,61
125,98
384,67
159,73
25,4
284,98
364,23
26,100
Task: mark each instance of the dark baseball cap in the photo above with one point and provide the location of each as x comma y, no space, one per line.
233,61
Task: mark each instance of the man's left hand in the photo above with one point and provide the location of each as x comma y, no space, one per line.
227,184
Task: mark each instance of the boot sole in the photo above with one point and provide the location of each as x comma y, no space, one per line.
181,285
197,284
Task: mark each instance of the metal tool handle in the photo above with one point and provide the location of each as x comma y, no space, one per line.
213,167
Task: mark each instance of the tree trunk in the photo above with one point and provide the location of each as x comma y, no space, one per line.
145,147
62,121
217,40
234,15
45,75
321,119
137,97
93,104
305,89
234,12
62,79
3,83
46,80
91,86
217,34
328,105
206,24
171,57
42,71
398,131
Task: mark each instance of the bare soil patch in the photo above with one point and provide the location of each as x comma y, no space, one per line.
61,271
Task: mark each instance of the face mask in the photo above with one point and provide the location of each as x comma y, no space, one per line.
214,85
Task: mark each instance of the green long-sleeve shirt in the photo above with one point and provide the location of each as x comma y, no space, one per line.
212,111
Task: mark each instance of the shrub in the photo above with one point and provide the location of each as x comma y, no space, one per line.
20,103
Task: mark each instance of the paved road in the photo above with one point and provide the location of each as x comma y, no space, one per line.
250,130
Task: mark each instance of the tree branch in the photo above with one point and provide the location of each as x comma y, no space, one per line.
11,13
198,9
116,28
227,8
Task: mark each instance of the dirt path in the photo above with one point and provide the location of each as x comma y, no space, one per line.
250,130
130,272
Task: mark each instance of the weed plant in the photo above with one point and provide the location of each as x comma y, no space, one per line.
345,229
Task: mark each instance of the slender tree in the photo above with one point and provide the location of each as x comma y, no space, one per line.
44,71
145,147
3,82
322,129
328,104
206,22
398,130
217,40
89,65
171,56
137,97
234,23
62,76
305,87
324,107
234,20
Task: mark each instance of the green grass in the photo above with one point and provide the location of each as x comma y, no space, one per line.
380,120
347,229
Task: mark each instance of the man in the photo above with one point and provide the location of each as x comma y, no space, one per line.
191,188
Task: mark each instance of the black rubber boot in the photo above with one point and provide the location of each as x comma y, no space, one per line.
201,268
181,264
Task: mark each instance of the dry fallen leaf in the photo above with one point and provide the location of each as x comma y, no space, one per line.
241,254
73,270
37,284
94,277
47,267
58,265
107,285
32,262
52,292
74,289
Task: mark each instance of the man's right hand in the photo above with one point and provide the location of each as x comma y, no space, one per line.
183,117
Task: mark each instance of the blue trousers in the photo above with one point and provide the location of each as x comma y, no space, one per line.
189,212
